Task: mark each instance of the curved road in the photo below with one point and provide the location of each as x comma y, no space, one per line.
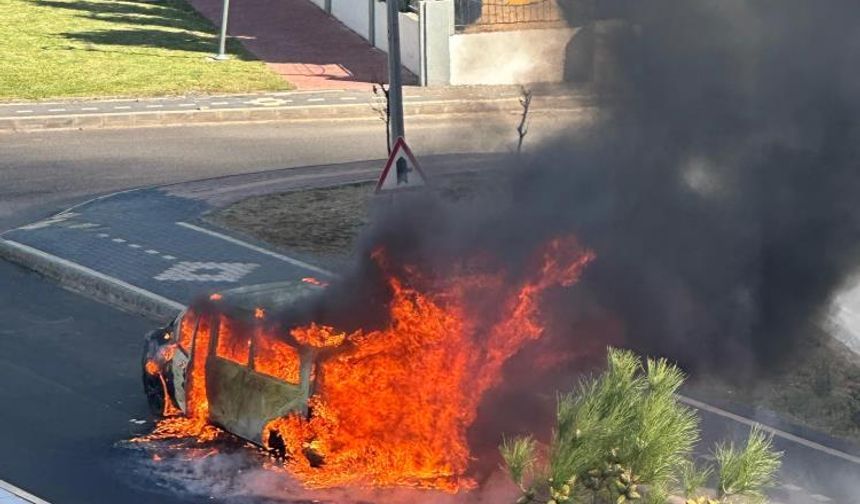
69,382
69,370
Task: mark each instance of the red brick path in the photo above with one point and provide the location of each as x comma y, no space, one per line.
300,42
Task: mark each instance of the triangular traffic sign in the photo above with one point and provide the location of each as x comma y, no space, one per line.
406,172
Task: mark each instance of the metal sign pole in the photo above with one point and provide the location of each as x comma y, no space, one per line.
395,77
222,43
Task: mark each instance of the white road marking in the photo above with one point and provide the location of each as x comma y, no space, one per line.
206,272
103,235
220,103
134,245
261,250
83,225
155,105
820,498
349,98
169,257
151,251
56,110
186,105
24,496
316,99
89,109
122,107
96,274
776,432
118,240
791,488
56,219
23,111
268,102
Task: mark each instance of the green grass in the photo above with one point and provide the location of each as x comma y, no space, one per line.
90,48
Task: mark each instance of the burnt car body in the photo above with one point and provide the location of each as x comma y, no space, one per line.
254,371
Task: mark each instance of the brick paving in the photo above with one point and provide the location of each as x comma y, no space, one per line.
302,43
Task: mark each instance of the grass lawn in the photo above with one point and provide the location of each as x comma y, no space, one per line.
84,48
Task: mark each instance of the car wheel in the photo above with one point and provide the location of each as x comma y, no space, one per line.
154,390
277,447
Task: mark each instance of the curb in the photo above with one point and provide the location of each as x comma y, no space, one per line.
91,283
20,495
258,114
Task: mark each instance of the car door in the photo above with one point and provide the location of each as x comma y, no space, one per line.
183,329
241,398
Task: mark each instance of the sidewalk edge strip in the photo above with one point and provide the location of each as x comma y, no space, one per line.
23,494
68,272
261,250
774,431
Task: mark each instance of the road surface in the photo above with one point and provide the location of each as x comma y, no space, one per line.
69,381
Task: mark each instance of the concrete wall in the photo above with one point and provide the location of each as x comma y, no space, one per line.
410,49
355,14
410,45
510,57
431,50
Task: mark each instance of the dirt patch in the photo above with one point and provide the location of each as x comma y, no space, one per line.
317,221
819,388
325,222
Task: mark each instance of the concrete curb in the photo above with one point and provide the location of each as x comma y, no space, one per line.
282,113
91,283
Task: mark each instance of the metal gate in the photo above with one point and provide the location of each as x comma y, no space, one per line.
481,15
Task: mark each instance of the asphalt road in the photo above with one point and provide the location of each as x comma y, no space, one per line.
69,386
69,367
69,375
41,172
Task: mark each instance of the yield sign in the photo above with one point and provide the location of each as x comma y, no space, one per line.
402,170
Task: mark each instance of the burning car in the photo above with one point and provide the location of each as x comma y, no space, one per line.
383,404
252,371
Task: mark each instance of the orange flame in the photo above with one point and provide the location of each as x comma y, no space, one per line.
314,281
394,408
151,367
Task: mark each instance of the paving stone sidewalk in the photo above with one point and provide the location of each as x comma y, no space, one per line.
303,44
148,251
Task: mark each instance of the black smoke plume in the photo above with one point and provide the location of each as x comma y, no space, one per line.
720,187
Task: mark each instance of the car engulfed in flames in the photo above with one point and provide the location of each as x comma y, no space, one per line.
374,407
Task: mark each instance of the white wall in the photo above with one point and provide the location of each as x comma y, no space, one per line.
410,47
381,24
319,3
509,57
354,14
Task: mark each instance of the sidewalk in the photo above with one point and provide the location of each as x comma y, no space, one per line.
302,43
147,251
290,105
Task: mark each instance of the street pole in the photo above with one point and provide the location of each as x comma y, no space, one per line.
222,43
395,77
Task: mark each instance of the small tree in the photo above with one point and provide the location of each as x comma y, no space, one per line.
523,128
623,431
